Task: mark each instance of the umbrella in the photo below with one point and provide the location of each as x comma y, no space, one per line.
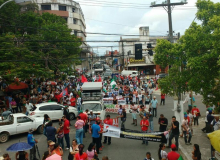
54,157
20,146
215,139
17,86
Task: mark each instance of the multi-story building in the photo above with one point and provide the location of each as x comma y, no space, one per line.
127,52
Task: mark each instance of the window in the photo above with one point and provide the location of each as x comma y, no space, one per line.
75,33
74,21
65,19
45,108
45,7
62,8
56,107
73,9
24,119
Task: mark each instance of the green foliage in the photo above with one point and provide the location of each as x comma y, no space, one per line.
33,43
200,48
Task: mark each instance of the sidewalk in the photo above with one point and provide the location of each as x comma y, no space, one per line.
199,138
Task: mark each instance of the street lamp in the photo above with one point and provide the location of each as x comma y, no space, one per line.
5,3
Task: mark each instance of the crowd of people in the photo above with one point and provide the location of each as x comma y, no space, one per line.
134,90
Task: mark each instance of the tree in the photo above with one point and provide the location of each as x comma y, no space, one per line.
33,43
197,54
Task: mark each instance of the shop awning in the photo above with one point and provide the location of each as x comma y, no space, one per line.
134,65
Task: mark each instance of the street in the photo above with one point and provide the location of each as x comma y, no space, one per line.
119,148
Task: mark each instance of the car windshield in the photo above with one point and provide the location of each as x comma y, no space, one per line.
92,106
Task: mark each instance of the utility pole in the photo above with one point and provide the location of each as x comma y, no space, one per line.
123,55
169,7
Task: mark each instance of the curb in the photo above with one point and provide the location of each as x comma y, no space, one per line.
184,153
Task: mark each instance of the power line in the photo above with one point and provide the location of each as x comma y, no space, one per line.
55,59
26,27
115,2
39,48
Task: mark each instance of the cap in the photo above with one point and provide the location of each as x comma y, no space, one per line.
173,146
185,113
195,106
31,130
51,143
154,96
66,106
80,111
90,111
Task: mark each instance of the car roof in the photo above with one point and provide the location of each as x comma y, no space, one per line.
18,114
46,103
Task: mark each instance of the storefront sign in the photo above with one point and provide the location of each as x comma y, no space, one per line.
138,61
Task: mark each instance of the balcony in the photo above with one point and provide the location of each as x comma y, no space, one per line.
58,13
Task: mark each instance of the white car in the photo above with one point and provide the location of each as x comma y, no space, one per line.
53,110
19,123
97,107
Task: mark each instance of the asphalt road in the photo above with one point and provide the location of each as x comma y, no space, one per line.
120,149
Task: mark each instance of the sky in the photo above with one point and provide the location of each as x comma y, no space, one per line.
126,16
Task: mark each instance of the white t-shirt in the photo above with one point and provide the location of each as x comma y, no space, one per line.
134,107
140,97
28,107
185,123
217,125
150,91
163,154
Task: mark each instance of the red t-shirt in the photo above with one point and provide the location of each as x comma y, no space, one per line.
194,110
65,127
162,96
144,122
82,157
173,155
83,117
73,102
108,121
188,119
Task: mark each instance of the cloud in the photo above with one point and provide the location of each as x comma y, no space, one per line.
128,20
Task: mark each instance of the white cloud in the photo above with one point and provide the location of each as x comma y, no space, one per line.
131,19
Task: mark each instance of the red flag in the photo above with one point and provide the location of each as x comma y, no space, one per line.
63,93
83,79
100,79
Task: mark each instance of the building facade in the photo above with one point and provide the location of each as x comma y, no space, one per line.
127,52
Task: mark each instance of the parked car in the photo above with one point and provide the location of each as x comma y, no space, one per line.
53,110
19,123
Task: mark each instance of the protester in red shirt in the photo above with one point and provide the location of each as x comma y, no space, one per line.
81,155
173,155
73,101
162,99
195,113
66,131
144,127
108,121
